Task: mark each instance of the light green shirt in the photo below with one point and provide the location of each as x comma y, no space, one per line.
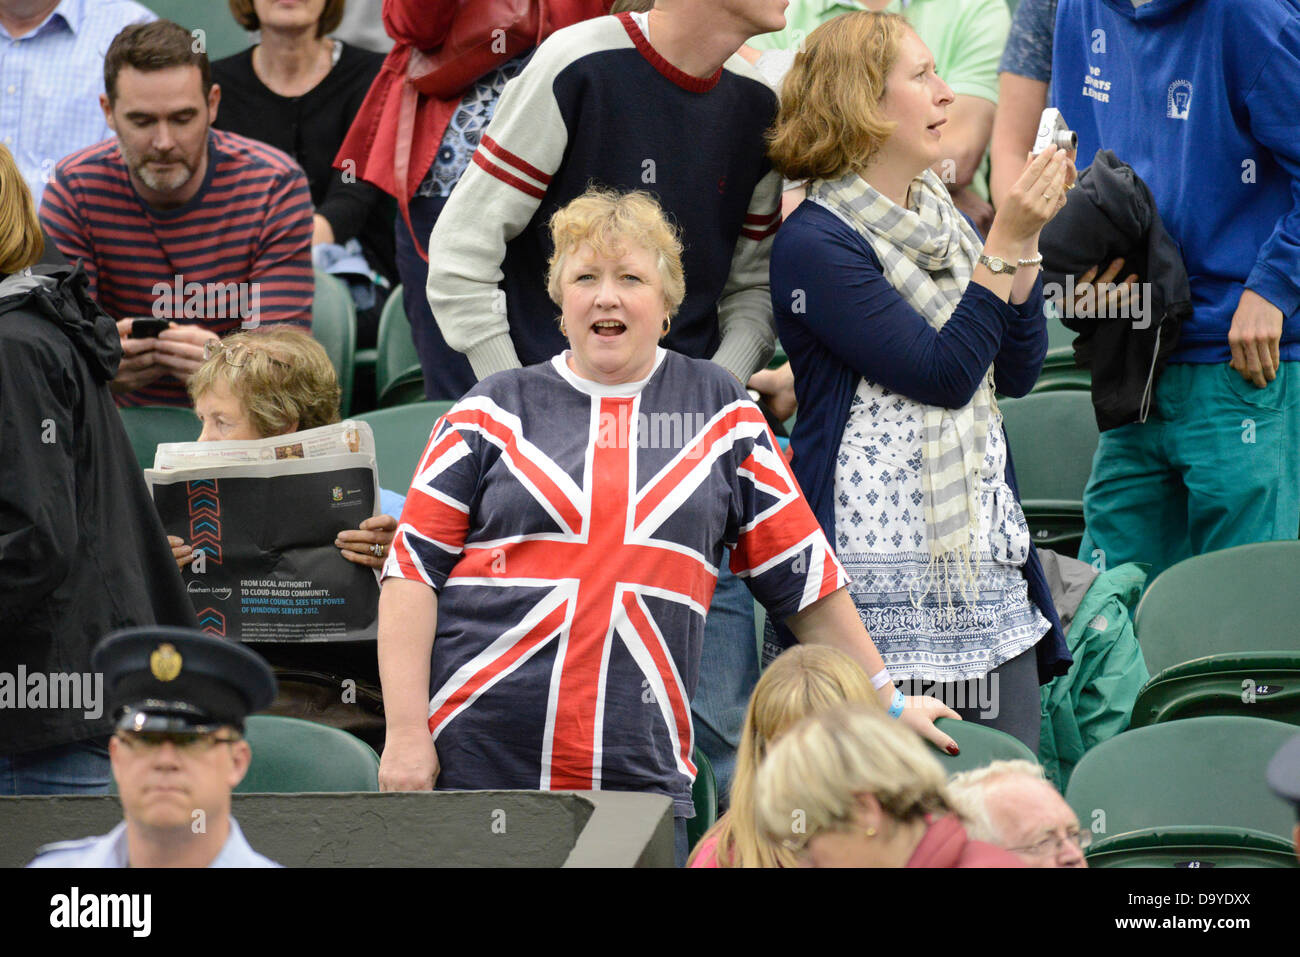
966,38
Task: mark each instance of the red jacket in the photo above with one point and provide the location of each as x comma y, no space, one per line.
421,25
945,844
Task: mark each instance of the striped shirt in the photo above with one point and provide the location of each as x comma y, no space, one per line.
50,81
239,251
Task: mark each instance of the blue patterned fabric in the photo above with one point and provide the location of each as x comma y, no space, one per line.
466,128
50,81
880,539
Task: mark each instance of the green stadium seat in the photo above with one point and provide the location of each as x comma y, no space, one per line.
1053,436
292,756
1063,379
1192,847
334,326
401,434
149,426
222,36
1197,772
1225,602
1261,684
398,378
704,793
980,745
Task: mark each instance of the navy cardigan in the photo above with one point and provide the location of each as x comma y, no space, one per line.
839,319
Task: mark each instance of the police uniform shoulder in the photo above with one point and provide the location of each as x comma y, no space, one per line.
57,853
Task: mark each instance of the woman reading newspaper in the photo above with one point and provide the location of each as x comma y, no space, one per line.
254,385
543,605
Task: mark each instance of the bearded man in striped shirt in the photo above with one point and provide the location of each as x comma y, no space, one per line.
176,221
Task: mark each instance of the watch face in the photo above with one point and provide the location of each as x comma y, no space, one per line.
996,263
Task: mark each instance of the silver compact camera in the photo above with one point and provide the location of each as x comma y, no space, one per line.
1052,131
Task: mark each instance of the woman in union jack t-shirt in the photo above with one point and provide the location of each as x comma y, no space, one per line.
541,620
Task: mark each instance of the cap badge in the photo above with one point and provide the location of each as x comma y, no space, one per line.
165,662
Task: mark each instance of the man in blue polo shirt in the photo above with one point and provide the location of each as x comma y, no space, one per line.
1199,97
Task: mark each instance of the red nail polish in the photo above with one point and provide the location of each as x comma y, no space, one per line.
953,750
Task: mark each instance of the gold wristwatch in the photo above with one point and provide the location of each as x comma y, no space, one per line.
998,265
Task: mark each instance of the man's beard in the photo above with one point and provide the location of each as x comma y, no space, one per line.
163,182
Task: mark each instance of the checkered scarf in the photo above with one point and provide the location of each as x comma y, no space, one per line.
928,252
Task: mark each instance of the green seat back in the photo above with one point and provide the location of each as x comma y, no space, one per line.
1261,684
293,756
1195,772
705,795
980,745
1192,847
1053,436
1235,600
398,378
334,326
401,434
148,426
1063,379
222,36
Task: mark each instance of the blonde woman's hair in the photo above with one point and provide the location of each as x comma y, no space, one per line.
283,376
968,792
830,121
609,220
805,680
812,777
21,241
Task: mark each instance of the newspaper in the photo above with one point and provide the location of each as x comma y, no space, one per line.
262,517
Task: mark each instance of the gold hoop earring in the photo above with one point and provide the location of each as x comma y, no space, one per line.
563,331
668,324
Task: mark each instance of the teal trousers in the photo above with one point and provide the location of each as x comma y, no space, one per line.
1216,464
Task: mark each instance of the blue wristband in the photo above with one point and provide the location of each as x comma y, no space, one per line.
896,708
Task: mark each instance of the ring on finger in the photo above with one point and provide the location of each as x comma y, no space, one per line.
377,550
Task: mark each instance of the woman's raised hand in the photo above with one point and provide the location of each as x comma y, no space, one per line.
1036,197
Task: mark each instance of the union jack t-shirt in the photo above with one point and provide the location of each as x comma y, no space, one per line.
573,533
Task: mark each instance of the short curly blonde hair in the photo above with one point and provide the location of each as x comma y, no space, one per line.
280,375
830,121
608,220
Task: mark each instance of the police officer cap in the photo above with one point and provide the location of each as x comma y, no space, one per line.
1284,771
181,680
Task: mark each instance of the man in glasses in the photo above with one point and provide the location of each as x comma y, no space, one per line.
178,751
1010,804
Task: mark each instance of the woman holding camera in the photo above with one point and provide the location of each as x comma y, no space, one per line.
900,324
